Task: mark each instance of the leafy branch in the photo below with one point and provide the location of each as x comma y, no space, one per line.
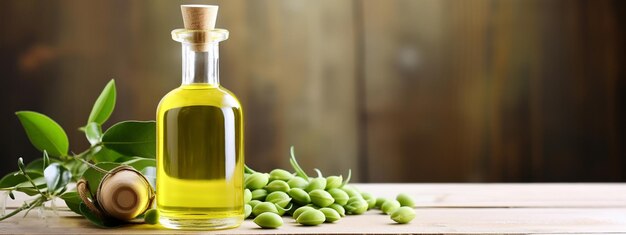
129,143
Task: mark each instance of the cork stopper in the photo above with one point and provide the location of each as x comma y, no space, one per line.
199,17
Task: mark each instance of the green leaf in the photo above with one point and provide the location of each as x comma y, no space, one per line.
132,138
104,223
104,105
30,191
103,154
72,200
150,174
28,188
140,163
93,132
14,178
57,177
35,165
44,133
76,168
94,176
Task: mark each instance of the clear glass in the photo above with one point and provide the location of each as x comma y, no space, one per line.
200,143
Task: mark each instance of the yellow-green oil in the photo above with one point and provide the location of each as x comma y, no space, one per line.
200,158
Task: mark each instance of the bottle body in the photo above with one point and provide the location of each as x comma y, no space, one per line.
200,158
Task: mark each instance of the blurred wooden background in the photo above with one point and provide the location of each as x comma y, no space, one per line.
399,91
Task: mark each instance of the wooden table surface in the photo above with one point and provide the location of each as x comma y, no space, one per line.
441,209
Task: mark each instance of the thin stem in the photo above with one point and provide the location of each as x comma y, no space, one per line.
36,202
103,171
31,182
18,210
248,169
296,166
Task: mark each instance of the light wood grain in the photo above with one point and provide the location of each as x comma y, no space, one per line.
441,209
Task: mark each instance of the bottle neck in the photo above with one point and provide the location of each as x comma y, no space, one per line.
201,67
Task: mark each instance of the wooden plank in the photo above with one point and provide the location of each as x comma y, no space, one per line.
488,195
428,221
441,208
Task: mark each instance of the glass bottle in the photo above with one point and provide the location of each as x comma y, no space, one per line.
200,142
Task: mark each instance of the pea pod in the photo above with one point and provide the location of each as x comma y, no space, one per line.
340,196
321,198
297,182
311,218
253,203
352,192
299,196
316,183
283,207
300,210
371,200
405,200
339,209
285,203
333,182
277,185
330,214
256,181
247,210
379,202
259,194
277,196
389,206
356,206
264,207
247,195
280,174
268,220
403,215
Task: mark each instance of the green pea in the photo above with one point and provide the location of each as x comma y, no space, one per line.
340,196
277,196
297,182
268,220
330,214
299,196
333,182
247,210
151,216
259,194
405,200
253,203
311,218
247,195
280,174
379,202
352,192
403,215
371,200
339,209
389,206
356,206
277,185
321,198
264,207
256,181
316,183
300,210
